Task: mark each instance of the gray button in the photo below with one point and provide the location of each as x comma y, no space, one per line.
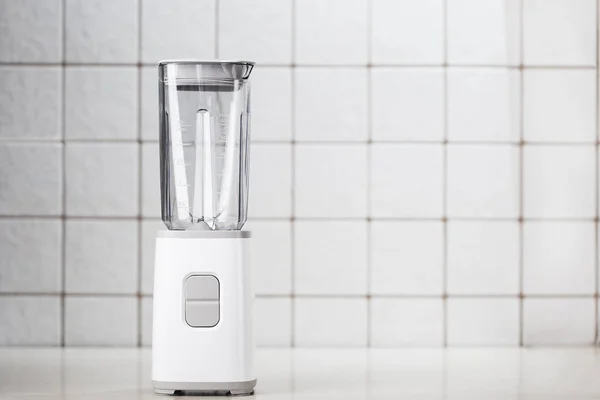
202,313
202,287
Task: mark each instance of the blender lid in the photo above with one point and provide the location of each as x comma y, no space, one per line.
207,69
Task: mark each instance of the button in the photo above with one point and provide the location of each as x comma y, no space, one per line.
201,299
202,287
202,314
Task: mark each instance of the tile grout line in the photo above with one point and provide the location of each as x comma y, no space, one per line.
369,115
292,317
445,182
398,66
64,177
597,189
326,296
521,176
140,178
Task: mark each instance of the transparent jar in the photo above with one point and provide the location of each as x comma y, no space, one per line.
204,112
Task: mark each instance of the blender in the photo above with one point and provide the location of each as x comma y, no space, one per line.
202,326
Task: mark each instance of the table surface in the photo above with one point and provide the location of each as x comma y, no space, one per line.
461,373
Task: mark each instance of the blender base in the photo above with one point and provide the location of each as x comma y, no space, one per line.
224,388
202,336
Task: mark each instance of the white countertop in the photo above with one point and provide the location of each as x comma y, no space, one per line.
78,373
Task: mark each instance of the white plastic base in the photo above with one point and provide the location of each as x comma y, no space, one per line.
218,358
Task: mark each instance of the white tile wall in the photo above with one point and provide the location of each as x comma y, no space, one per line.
31,179
30,106
101,179
91,321
30,31
559,32
396,190
482,181
483,32
330,257
407,257
339,112
407,104
559,106
483,321
484,105
330,181
331,32
164,29
271,257
407,322
101,256
407,32
260,30
483,257
101,103
558,321
559,181
330,322
31,259
273,321
101,31
30,320
423,173
559,258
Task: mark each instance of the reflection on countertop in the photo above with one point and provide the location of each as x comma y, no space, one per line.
461,373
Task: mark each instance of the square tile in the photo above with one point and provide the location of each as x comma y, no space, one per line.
339,112
558,257
407,104
150,180
30,320
558,322
164,30
330,257
559,105
101,256
91,321
483,257
483,181
317,32
484,105
149,103
30,105
103,31
330,322
273,320
31,176
260,30
270,181
101,103
271,115
30,31
407,257
397,185
31,255
407,32
102,179
559,181
483,321
407,322
559,32
146,304
148,232
271,256
330,181
484,32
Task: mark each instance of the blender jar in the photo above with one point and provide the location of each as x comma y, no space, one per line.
204,143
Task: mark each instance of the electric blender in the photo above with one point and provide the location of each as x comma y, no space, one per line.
202,323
